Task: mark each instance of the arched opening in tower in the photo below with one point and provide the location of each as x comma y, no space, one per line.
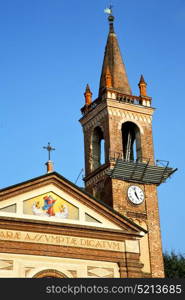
131,141
98,148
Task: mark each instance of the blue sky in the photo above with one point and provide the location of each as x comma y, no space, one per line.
50,50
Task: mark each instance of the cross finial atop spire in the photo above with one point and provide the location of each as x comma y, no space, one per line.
49,149
49,163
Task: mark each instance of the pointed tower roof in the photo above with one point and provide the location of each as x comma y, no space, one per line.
142,79
113,61
88,90
88,95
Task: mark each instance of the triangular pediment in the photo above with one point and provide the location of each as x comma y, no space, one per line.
54,199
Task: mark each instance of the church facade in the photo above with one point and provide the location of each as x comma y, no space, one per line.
49,227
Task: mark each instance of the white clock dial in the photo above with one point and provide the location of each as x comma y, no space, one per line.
135,194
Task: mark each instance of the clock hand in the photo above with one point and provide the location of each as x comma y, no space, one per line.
136,195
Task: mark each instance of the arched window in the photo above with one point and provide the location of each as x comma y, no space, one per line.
49,273
131,140
102,151
98,148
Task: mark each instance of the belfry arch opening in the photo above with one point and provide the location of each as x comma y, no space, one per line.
131,141
98,148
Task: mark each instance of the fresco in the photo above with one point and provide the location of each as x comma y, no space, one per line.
50,205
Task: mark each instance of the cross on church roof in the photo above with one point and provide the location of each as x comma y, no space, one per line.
49,149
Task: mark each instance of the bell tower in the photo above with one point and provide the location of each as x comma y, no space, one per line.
120,168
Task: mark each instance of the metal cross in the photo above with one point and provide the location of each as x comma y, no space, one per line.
49,149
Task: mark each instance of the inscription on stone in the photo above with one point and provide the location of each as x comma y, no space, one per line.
61,240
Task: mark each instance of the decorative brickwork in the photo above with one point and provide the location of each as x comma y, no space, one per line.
114,191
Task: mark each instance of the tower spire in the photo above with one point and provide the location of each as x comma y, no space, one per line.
142,86
113,61
88,95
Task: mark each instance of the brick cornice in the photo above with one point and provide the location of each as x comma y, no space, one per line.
64,229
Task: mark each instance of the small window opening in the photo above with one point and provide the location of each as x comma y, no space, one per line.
98,148
102,151
131,141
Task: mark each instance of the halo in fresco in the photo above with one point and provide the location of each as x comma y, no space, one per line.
50,205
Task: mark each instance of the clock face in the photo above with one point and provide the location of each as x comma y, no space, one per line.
135,194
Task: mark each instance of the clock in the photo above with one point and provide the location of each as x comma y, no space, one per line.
135,194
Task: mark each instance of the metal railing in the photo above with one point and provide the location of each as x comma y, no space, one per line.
113,156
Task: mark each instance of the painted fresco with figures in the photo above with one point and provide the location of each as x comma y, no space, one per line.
50,205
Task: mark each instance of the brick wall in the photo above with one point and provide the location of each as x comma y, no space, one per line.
110,116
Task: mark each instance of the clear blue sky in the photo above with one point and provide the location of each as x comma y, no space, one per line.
50,50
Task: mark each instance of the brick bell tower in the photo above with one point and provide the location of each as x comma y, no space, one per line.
120,169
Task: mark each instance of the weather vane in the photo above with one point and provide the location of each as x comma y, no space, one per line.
49,149
110,18
108,10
